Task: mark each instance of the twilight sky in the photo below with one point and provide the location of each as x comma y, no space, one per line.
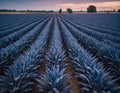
57,4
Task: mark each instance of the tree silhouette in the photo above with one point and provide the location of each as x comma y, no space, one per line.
60,11
118,10
69,10
91,8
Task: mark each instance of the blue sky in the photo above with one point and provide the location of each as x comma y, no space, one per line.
57,4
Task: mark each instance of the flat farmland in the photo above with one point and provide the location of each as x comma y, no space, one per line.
60,53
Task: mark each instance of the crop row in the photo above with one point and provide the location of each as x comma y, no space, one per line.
42,53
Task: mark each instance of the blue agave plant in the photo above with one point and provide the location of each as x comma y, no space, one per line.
92,76
21,75
56,57
108,51
10,52
115,66
54,81
13,83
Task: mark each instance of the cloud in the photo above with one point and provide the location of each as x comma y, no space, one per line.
57,4
87,1
99,5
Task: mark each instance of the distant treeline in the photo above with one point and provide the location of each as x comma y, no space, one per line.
43,11
5,10
91,8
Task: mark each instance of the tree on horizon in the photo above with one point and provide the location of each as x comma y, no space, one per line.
60,10
69,10
91,8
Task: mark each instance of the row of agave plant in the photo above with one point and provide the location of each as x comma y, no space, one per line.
95,25
110,39
14,49
9,30
103,49
11,22
10,36
92,76
20,76
55,79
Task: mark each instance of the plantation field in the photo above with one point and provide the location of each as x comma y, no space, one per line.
60,53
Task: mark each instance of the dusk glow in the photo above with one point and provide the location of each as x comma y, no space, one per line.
57,4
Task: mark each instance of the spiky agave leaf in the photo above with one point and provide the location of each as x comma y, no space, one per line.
90,73
56,57
27,65
19,84
19,77
115,65
93,77
54,81
112,52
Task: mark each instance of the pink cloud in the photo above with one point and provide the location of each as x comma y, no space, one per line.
99,5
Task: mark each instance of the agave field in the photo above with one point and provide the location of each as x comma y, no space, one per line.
60,53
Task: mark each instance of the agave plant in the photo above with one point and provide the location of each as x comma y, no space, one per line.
11,38
92,76
56,57
54,81
115,66
23,72
20,76
14,83
104,50
10,52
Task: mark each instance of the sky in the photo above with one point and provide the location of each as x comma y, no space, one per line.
59,4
